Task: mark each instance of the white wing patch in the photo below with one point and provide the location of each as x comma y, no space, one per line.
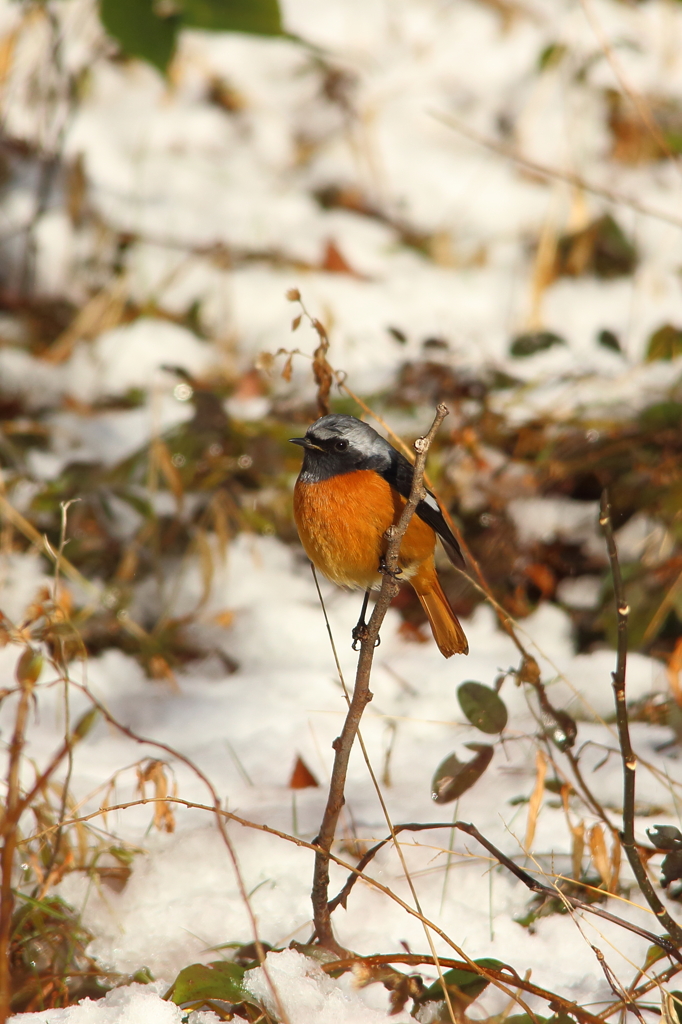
431,502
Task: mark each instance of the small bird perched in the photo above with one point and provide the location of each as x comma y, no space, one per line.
352,486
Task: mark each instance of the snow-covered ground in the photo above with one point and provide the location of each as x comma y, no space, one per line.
245,732
220,206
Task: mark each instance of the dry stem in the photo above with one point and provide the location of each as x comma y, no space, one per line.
9,827
362,694
627,836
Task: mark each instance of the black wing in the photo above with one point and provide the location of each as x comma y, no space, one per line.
399,475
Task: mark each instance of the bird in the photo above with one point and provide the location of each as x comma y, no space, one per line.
352,486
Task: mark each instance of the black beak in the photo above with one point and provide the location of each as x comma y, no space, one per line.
305,443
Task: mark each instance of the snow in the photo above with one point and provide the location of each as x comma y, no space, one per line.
130,1005
245,730
308,995
132,357
191,182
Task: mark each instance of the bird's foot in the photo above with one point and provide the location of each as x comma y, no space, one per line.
360,633
395,574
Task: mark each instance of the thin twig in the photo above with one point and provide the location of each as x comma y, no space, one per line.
384,808
627,835
65,505
220,817
501,973
362,694
531,883
357,872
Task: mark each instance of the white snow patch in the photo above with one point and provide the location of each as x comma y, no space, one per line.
134,1004
309,996
131,357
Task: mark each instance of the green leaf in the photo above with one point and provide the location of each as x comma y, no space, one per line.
665,343
653,954
463,986
665,837
139,31
29,667
221,979
257,17
661,416
528,344
483,706
84,725
601,248
525,1018
607,339
453,777
552,55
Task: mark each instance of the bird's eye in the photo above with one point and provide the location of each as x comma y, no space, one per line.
341,445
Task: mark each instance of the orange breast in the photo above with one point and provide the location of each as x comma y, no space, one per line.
342,522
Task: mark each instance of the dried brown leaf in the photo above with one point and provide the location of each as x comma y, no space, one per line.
537,795
600,857
301,776
154,772
287,368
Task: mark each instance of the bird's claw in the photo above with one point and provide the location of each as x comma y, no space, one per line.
360,633
385,571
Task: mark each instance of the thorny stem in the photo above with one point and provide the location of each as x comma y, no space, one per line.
362,695
627,835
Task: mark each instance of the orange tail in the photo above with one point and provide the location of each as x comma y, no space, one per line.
445,626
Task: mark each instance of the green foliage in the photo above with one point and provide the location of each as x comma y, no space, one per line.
29,667
483,706
256,17
531,342
665,343
50,966
601,249
453,777
524,1018
199,983
668,838
145,29
607,339
542,905
139,31
463,988
551,55
84,724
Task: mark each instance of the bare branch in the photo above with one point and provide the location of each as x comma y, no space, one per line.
362,694
627,836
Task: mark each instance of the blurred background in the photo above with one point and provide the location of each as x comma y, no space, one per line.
479,200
